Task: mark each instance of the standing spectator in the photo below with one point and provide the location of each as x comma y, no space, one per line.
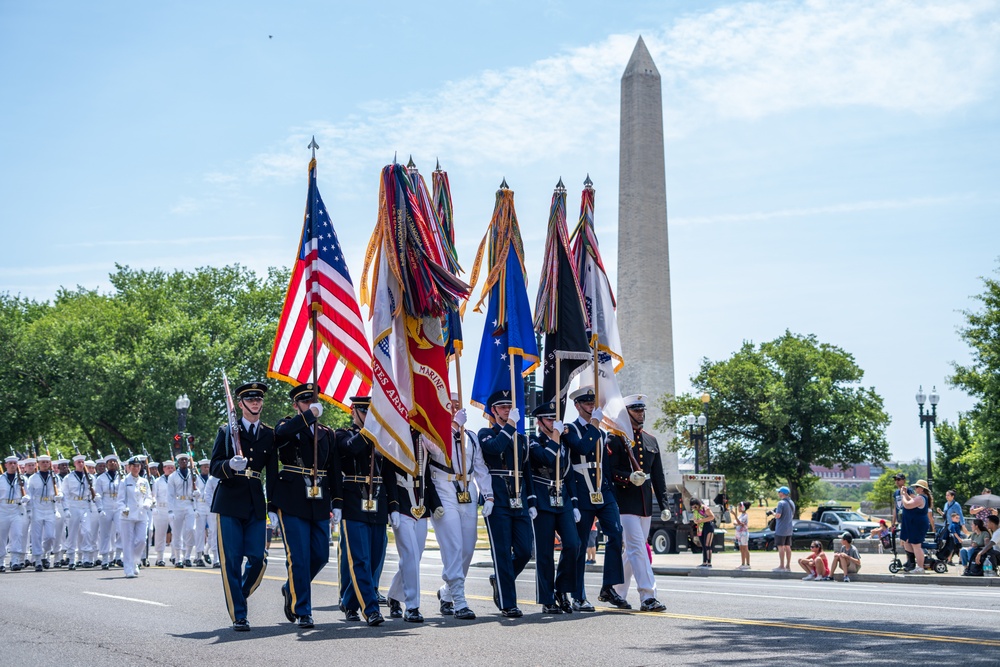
956,531
592,544
743,534
704,519
847,557
784,513
916,523
979,511
978,538
815,564
902,519
950,506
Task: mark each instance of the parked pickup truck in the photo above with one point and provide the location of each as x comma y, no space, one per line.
844,519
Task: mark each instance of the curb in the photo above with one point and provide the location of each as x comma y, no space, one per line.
941,580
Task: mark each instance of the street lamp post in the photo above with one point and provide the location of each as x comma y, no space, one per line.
927,420
699,437
182,404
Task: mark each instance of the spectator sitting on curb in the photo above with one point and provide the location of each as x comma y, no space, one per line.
815,564
989,549
847,557
980,535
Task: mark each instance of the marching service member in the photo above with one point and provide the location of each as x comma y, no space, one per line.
161,515
108,486
13,498
202,509
239,503
78,490
461,487
182,495
134,503
45,502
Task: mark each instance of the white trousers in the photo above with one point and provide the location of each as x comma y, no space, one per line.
182,529
201,525
81,541
59,536
43,535
456,535
411,536
26,534
133,542
161,521
635,558
108,534
213,536
12,535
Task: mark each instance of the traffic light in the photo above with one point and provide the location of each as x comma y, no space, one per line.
190,440
177,438
178,444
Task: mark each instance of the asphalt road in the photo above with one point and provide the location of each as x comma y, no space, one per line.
178,617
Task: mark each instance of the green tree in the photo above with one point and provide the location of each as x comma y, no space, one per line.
781,407
981,379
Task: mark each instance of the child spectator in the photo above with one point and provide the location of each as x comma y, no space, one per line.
956,531
847,557
880,532
743,534
815,564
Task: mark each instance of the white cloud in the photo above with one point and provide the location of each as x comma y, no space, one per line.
745,62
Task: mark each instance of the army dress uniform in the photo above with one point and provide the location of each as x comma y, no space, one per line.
240,505
370,496
12,516
596,500
636,504
304,508
418,501
557,513
509,522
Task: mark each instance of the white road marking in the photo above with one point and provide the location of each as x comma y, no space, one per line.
120,597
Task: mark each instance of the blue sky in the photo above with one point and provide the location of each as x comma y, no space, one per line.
831,165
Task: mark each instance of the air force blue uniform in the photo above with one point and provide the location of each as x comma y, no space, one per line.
552,519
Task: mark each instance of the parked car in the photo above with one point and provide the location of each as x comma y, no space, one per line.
844,519
803,533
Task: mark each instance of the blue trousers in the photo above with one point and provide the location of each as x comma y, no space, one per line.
241,540
307,551
363,550
510,546
611,526
563,578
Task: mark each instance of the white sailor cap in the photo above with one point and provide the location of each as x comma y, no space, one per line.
89,464
111,457
169,463
154,464
204,462
141,457
103,459
183,455
61,461
635,401
44,457
79,457
10,459
28,460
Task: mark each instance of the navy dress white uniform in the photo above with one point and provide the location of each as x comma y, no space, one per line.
508,522
45,501
370,496
133,505
303,507
161,514
596,500
417,502
555,487
81,512
239,501
462,485
182,494
637,473
12,515
108,486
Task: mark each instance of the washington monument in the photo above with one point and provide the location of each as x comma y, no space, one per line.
644,318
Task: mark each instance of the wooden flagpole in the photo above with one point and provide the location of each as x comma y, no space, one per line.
513,404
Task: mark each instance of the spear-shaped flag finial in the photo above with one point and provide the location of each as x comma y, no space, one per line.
313,145
394,155
559,186
437,167
503,184
410,164
587,183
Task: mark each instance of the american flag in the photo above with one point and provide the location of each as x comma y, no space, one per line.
321,283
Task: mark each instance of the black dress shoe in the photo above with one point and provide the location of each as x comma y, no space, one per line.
609,595
104,566
45,564
217,565
465,614
447,608
496,590
563,601
199,562
16,568
287,608
395,609
413,616
375,619
583,605
87,565
352,615
72,566
305,622
512,612
98,562
550,609
652,604
241,625
382,600
159,563
187,562
38,568
179,565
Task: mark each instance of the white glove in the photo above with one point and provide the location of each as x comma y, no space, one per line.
514,416
597,414
532,512
638,478
147,504
439,513
487,508
558,426
394,519
25,500
461,416
317,409
338,514
238,463
197,494
576,515
665,515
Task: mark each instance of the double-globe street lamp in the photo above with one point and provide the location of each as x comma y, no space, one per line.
699,437
182,404
927,420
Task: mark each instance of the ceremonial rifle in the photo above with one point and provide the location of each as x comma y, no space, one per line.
86,475
17,469
234,429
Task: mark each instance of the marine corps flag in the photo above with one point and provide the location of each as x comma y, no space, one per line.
559,309
601,318
411,291
508,350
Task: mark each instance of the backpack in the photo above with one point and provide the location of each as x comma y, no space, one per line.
973,569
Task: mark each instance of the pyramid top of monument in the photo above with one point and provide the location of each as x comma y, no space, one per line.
641,62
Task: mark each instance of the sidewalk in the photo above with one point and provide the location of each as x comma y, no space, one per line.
874,568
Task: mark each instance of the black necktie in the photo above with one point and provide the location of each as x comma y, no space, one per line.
252,427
